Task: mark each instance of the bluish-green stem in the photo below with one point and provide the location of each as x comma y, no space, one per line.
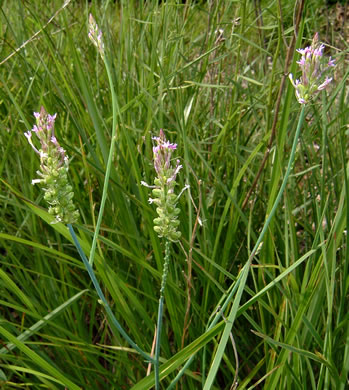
103,299
109,162
160,310
241,282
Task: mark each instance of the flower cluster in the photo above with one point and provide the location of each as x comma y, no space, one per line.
167,222
95,34
53,169
313,69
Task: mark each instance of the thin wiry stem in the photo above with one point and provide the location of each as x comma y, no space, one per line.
108,309
109,163
190,266
241,281
160,311
245,271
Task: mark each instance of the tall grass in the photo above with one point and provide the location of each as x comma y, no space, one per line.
209,74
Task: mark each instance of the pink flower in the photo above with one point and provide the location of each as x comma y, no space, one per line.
313,69
166,224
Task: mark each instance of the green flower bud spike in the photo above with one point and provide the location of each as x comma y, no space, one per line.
167,222
53,171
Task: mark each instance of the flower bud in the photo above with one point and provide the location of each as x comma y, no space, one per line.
95,35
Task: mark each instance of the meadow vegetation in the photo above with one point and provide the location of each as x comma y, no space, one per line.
214,76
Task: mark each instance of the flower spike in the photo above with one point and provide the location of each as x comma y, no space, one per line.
313,70
53,173
163,189
96,36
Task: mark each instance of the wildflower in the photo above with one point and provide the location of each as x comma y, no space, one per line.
313,70
96,36
167,222
53,173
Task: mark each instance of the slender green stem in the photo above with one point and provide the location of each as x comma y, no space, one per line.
218,315
244,272
103,299
283,185
161,306
109,162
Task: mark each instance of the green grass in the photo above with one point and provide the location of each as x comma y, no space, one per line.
217,98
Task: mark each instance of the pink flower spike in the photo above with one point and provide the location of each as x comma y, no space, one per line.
313,68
